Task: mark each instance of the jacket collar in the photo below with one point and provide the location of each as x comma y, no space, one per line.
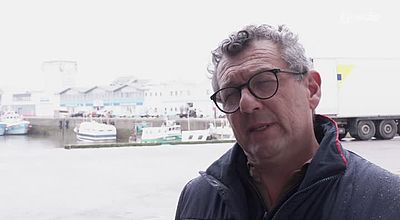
330,158
226,168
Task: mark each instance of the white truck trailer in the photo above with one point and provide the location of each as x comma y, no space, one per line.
362,95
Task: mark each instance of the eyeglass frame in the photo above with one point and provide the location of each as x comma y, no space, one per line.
275,71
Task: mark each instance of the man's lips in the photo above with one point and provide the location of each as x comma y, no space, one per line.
260,127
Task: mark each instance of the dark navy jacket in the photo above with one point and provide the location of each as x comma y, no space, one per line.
338,185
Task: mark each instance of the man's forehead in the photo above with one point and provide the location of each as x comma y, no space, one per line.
259,54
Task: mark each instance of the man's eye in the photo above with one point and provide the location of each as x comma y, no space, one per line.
226,97
263,83
228,94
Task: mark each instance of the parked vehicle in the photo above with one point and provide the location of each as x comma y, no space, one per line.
79,114
361,95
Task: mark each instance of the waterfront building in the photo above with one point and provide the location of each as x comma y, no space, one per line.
42,98
30,103
131,97
177,98
124,97
120,99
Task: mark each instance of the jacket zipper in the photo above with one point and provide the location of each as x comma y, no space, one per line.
301,191
258,195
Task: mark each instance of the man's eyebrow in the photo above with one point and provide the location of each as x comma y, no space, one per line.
228,81
233,83
264,69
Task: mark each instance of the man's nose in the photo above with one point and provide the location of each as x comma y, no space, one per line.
248,102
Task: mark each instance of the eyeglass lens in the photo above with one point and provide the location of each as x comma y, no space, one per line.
262,85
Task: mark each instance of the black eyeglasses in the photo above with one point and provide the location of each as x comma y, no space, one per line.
262,85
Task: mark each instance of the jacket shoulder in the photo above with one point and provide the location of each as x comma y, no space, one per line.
375,191
200,200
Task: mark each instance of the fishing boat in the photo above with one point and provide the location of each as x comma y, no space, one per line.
93,131
223,132
166,133
15,124
196,135
171,132
3,127
137,131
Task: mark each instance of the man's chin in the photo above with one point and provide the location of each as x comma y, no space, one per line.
262,153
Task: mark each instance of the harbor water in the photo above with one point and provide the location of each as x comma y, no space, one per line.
42,180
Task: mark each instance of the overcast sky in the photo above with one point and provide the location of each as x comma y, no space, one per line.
173,39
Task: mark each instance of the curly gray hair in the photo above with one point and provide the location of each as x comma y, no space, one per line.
291,50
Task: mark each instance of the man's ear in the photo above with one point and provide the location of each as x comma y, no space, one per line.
314,87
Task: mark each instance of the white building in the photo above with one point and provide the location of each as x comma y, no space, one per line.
30,103
120,99
44,100
136,98
177,98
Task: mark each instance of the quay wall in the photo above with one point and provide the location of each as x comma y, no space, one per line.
62,128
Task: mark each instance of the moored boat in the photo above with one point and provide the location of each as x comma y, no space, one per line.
196,135
167,133
15,124
170,132
223,132
95,132
3,127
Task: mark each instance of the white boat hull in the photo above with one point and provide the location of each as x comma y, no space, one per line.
95,132
163,134
222,133
3,127
15,124
17,128
95,137
196,135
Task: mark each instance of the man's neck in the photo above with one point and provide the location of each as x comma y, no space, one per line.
272,183
274,179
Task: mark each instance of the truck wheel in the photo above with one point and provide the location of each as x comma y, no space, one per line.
398,127
387,129
365,130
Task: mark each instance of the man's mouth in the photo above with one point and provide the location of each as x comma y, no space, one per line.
260,127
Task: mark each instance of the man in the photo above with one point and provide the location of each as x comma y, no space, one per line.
288,162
